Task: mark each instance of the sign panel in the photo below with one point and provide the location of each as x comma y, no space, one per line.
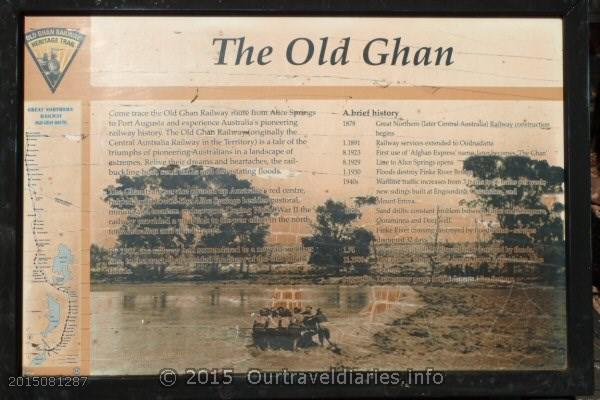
293,193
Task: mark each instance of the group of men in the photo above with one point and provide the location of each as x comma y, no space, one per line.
280,327
281,317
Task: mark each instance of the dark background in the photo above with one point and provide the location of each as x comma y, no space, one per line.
595,155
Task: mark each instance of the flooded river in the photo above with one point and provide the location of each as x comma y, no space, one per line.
141,328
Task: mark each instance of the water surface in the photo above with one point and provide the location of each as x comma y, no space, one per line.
141,328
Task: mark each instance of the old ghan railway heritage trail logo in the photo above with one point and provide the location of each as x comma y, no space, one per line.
53,50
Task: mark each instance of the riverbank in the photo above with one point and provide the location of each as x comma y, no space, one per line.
315,279
514,328
447,329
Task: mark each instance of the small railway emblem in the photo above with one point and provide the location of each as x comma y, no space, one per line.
53,50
